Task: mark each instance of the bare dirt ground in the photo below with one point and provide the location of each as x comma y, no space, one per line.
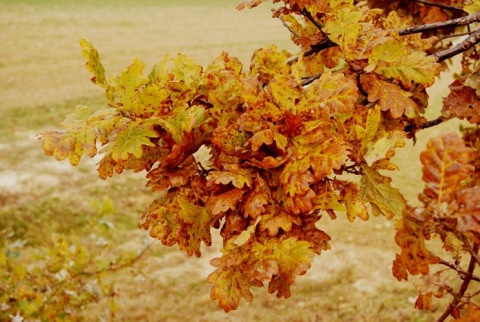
42,73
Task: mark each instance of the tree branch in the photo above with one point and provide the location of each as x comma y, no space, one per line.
464,286
475,17
465,45
426,125
459,270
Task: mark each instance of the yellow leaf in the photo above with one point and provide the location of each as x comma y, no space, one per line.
96,68
130,139
472,6
416,67
343,28
333,92
245,235
376,189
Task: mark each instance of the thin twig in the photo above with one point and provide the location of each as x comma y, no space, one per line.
443,6
459,270
464,286
426,125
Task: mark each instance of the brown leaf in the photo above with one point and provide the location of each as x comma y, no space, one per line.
462,102
468,210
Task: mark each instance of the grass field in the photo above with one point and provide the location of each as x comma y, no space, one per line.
43,78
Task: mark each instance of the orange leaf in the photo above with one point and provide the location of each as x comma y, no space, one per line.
472,314
446,163
390,97
225,201
235,175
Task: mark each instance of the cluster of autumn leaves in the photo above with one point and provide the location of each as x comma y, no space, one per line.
281,136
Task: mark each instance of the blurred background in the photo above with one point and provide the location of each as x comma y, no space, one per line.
70,247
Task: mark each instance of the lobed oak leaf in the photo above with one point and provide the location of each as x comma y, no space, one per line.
446,163
285,91
255,204
162,178
416,67
376,189
245,235
275,220
293,258
225,201
230,284
78,138
130,139
328,200
390,97
353,202
184,120
295,178
269,162
96,68
333,92
150,155
328,156
308,231
383,149
343,28
267,63
127,84
233,174
414,257
186,71
267,137
462,102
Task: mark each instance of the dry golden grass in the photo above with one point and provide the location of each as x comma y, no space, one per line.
42,72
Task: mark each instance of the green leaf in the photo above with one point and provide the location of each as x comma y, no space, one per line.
130,139
184,120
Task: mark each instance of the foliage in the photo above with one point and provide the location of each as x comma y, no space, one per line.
64,278
291,138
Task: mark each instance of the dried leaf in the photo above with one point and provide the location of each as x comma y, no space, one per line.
462,102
